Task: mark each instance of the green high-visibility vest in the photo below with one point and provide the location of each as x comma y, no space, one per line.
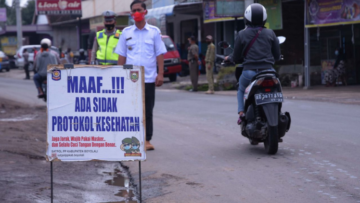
106,52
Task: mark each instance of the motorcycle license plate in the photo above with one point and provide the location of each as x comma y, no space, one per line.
265,98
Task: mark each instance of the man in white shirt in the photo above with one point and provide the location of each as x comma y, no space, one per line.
141,45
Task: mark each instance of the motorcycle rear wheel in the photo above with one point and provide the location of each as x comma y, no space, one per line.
271,142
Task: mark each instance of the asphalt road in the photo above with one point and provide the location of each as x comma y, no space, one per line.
200,155
20,90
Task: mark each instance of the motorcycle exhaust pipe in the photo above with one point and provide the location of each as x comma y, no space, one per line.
284,123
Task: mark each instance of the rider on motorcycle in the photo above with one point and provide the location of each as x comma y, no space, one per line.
82,56
257,52
43,59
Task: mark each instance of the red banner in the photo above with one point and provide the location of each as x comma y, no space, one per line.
58,7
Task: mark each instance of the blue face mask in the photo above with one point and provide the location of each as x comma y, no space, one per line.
127,146
336,53
135,146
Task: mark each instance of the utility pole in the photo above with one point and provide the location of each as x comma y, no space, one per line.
306,52
18,24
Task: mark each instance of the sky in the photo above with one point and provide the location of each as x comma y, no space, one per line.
22,2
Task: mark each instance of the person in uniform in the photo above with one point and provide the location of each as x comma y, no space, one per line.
209,59
135,145
141,45
106,41
193,58
126,145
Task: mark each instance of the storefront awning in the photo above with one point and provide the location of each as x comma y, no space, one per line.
165,10
157,16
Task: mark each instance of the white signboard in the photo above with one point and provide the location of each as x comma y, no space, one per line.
95,113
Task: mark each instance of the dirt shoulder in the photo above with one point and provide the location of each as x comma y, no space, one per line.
22,129
25,175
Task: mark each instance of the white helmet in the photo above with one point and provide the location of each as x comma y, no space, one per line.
255,14
46,41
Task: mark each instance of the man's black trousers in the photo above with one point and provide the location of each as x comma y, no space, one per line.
149,106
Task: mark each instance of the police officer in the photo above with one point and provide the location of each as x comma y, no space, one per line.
193,58
209,59
106,41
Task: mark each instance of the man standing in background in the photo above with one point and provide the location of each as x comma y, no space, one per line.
193,58
70,55
209,59
26,64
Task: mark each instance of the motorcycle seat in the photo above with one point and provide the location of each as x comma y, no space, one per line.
265,73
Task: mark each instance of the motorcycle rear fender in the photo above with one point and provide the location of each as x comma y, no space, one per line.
271,111
248,91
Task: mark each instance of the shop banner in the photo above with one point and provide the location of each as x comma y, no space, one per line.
95,113
9,45
209,13
3,15
274,14
332,12
229,8
58,7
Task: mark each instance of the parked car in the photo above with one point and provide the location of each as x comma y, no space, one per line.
4,62
172,61
19,59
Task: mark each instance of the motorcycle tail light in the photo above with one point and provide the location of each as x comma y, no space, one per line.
259,81
267,90
268,83
276,81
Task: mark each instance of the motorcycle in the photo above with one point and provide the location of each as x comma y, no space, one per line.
263,120
83,62
220,61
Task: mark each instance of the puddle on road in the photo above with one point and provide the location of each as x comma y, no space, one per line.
121,180
18,119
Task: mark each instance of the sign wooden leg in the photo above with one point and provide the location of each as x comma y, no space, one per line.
140,180
51,174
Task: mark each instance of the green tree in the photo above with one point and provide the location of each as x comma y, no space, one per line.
10,13
27,13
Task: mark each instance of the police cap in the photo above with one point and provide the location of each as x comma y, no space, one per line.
127,141
109,16
135,140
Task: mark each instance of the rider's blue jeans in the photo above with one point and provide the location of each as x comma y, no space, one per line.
38,80
244,81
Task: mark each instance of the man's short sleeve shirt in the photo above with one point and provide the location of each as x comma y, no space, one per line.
141,47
